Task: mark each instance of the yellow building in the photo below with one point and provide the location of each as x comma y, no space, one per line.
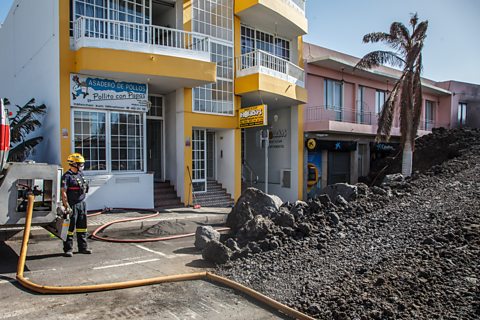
150,91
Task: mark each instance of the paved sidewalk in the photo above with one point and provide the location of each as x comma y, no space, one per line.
202,215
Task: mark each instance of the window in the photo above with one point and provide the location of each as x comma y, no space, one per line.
125,135
213,18
131,11
126,141
258,40
380,98
333,98
462,114
361,105
429,114
156,106
90,138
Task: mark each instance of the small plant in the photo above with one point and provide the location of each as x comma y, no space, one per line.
22,124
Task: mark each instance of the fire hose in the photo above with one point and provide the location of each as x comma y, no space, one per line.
44,289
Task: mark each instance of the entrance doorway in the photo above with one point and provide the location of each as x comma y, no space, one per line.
211,156
155,139
338,167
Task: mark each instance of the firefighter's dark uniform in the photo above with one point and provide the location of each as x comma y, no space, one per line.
76,187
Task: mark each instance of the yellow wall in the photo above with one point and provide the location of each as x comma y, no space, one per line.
120,61
266,83
276,6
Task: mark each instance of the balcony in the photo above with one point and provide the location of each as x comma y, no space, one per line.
280,81
168,58
283,17
347,120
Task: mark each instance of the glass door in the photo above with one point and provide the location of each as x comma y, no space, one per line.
199,157
211,156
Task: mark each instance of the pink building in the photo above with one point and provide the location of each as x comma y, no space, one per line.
342,113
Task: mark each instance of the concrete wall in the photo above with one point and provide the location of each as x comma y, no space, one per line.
463,93
281,153
120,191
225,155
29,64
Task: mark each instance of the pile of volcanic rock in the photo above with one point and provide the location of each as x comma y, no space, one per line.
260,222
430,150
405,249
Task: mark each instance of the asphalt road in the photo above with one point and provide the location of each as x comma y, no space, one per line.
113,262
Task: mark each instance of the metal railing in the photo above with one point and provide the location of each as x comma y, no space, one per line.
127,32
248,174
332,113
329,113
299,3
269,62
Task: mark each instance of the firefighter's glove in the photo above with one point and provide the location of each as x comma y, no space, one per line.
68,211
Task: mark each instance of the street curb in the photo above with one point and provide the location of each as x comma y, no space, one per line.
40,233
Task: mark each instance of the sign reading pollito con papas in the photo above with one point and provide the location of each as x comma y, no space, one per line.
93,92
255,116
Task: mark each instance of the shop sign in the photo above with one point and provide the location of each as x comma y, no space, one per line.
93,92
384,147
331,145
255,116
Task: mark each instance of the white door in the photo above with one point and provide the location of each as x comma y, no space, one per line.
199,160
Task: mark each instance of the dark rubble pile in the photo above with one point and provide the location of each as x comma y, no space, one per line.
430,150
409,249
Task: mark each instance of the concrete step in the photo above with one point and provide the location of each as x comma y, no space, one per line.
168,202
165,196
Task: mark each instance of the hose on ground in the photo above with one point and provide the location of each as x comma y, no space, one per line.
136,283
116,240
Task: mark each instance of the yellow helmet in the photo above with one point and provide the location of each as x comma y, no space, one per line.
75,158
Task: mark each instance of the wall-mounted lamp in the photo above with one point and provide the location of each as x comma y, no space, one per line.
342,75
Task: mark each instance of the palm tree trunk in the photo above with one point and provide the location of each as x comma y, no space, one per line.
407,159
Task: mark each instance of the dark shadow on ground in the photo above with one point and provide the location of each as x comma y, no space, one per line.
9,259
190,250
45,256
274,312
200,263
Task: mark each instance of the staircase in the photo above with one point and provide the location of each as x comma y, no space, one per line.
216,196
165,196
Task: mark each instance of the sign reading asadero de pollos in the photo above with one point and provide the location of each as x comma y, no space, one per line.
92,92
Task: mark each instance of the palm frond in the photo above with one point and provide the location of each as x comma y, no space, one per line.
420,32
375,37
414,20
400,33
417,101
26,120
22,150
379,57
385,121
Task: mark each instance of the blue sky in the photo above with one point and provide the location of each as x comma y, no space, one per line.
451,49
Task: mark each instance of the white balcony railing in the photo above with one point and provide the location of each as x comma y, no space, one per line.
95,32
263,62
300,4
329,113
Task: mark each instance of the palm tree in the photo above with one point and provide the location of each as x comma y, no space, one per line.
25,121
407,54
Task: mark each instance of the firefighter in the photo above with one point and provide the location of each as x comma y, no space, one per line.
74,188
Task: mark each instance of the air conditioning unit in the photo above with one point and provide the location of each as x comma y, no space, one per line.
286,178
